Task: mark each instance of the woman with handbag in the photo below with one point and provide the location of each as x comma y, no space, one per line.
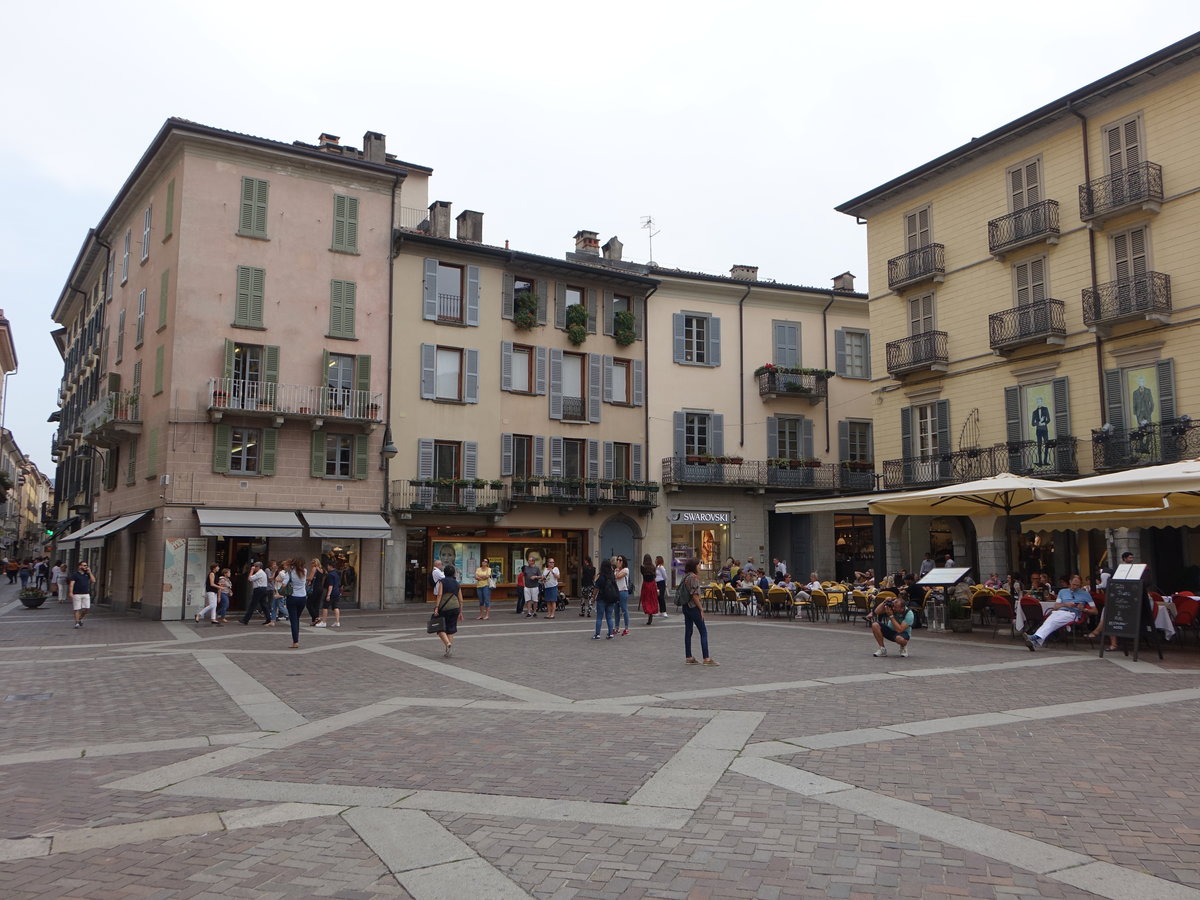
649,596
448,607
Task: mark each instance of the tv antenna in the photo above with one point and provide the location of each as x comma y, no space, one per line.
648,224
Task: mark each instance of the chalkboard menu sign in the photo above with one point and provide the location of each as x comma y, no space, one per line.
1123,609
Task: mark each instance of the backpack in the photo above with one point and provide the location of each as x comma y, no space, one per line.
608,591
683,596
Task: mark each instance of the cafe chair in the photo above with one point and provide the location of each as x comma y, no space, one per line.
1002,613
779,601
980,604
859,606
819,605
1187,614
731,602
1032,610
759,599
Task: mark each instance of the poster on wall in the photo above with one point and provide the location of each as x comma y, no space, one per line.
1141,397
1039,421
463,556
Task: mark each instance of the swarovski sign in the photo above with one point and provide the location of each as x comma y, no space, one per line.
699,516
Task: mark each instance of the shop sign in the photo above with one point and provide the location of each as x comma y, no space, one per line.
698,517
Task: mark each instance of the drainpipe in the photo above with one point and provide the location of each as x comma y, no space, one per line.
1099,340
825,344
742,365
386,506
646,379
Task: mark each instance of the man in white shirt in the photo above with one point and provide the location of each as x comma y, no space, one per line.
260,594
926,566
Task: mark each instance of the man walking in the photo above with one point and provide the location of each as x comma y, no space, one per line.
260,594
80,588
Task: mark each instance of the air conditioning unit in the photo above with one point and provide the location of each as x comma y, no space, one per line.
164,480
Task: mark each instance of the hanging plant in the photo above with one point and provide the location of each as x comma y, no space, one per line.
525,310
623,328
576,334
577,323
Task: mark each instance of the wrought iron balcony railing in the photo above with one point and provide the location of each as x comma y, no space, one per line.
584,492
784,382
1139,186
452,496
1146,296
116,413
1031,323
574,409
921,351
856,476
1043,459
926,263
734,471
242,395
1115,448
944,468
1036,222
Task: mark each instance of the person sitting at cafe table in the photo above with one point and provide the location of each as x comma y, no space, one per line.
892,622
1074,605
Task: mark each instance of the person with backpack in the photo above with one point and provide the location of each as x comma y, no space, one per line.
449,606
608,599
688,597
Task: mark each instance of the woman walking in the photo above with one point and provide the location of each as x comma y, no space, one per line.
316,590
483,588
224,592
550,576
660,582
621,573
448,608
295,592
279,576
607,599
587,587
211,594
693,615
649,598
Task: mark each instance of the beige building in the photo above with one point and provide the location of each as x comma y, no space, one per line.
1034,294
225,335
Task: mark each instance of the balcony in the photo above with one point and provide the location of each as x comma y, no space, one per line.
451,496
1046,459
297,401
921,352
449,308
1139,187
782,381
1114,449
594,492
926,263
1042,322
574,409
1146,296
1034,224
856,476
118,413
944,468
756,475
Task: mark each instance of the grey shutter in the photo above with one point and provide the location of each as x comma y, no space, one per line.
839,351
806,437
1062,407
635,451
472,295
677,325
608,379
1112,399
639,382
429,295
507,292
870,448
608,460
471,379
866,354
639,316
428,371
943,437
680,421
556,380
606,312
1012,414
786,339
543,298
506,365
591,310
470,471
843,440
539,455
540,371
556,457
425,470
773,437
716,434
594,383
906,454
506,454
560,305
593,467
1165,369
714,341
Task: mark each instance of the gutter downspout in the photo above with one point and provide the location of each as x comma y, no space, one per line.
646,379
742,365
1099,340
386,506
825,344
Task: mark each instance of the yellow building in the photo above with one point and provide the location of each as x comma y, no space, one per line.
1034,297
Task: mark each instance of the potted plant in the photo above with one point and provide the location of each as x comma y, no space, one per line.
219,398
32,598
525,310
577,323
958,615
624,328
373,411
496,485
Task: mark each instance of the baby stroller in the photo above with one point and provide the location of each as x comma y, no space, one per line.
587,602
541,603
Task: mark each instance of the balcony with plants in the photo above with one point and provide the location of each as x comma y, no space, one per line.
925,352
300,401
595,492
1035,224
1115,449
926,263
776,382
451,496
1139,187
115,414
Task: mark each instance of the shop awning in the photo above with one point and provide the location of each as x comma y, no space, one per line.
856,504
1152,517
96,538
85,531
346,525
249,523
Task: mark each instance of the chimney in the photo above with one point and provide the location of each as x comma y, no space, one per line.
587,242
612,249
326,141
843,282
439,219
470,226
744,273
374,147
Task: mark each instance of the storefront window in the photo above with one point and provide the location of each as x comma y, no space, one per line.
345,556
702,534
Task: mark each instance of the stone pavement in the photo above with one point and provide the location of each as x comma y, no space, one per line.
168,760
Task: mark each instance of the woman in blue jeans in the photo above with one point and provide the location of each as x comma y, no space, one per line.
295,592
622,575
606,587
693,615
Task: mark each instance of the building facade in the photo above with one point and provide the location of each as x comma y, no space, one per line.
225,341
1037,287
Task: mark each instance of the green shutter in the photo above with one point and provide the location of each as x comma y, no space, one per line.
137,378
360,456
131,463
349,298
345,223
317,456
362,372
152,454
270,373
258,279
159,358
270,450
248,309
230,347
341,308
110,469
222,441
168,225
253,218
164,284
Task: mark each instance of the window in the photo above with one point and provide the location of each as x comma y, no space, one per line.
619,392
168,225
339,379
333,455
342,300
920,315
449,293
852,350
1123,144
785,337
449,373
1129,254
620,303
697,339
247,365
925,418
858,447
1029,281
574,380
245,445
696,433
522,456
141,318
248,308
522,366
120,335
345,224
147,218
339,455
125,256
787,440
252,218
446,458
574,458
916,229
575,296
620,470
1024,184
163,291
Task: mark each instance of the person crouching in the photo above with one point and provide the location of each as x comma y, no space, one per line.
893,622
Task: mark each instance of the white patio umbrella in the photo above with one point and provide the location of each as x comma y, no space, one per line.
1176,485
1000,495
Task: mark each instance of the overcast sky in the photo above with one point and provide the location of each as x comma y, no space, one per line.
737,126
